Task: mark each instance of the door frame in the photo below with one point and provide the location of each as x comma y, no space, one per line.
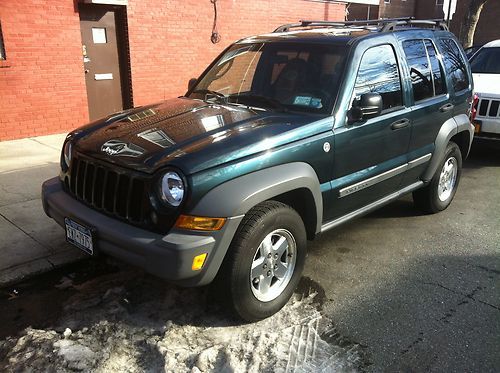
122,41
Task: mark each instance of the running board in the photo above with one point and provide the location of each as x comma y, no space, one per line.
372,206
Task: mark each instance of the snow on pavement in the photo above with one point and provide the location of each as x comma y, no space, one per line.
134,323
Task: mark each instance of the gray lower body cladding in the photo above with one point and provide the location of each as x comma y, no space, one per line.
169,257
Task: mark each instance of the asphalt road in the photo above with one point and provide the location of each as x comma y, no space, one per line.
409,292
421,292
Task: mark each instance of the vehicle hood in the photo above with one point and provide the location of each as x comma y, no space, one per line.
487,84
189,134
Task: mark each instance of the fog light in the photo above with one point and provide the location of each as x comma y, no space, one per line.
199,223
198,261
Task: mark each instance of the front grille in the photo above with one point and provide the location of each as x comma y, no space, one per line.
489,108
113,191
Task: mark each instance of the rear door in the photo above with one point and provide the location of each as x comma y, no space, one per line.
370,156
431,105
459,74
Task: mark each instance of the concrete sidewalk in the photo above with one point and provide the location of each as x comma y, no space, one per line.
30,242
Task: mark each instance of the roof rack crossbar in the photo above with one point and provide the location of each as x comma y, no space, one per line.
436,23
388,24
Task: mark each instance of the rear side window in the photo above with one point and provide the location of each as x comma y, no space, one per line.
379,73
425,70
455,64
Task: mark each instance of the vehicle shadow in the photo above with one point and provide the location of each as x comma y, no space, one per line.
483,153
401,208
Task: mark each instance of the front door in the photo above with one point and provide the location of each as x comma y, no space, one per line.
101,60
370,156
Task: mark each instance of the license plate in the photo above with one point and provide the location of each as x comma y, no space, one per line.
79,236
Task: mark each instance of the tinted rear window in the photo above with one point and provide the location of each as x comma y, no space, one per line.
455,64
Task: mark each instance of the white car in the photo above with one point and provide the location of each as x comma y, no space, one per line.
485,65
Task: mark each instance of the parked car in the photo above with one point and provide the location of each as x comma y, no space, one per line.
469,52
283,137
485,65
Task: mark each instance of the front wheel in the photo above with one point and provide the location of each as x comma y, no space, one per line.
265,260
439,193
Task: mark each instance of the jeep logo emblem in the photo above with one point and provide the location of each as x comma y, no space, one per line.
117,147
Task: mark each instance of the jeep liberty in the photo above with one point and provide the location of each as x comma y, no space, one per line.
284,136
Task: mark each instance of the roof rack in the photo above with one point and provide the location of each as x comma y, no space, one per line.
385,25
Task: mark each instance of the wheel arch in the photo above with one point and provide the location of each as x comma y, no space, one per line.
457,129
463,140
302,201
295,184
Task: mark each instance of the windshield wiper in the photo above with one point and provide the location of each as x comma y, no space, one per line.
267,101
208,92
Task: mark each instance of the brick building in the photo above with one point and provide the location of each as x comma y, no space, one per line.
53,76
420,9
432,9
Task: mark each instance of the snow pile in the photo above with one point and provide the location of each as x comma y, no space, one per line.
144,326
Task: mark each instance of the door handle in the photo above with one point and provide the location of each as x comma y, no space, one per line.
402,123
446,107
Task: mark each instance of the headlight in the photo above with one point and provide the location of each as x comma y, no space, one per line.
67,153
172,188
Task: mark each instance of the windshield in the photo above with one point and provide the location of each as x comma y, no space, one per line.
486,61
275,76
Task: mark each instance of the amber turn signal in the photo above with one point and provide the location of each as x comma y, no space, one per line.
199,223
198,261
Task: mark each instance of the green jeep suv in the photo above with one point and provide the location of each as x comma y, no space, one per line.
284,136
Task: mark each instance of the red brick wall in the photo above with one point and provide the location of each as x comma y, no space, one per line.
42,86
359,12
176,46
397,8
427,9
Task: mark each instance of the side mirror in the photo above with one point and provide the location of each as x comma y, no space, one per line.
192,82
369,105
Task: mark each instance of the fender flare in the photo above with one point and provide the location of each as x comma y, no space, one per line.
237,196
449,129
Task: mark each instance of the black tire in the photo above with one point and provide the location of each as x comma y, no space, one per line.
259,223
427,199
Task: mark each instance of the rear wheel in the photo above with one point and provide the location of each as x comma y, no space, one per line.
265,260
439,193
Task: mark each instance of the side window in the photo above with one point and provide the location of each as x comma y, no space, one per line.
378,73
436,69
425,70
454,63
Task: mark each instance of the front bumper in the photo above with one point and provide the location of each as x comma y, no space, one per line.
169,257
